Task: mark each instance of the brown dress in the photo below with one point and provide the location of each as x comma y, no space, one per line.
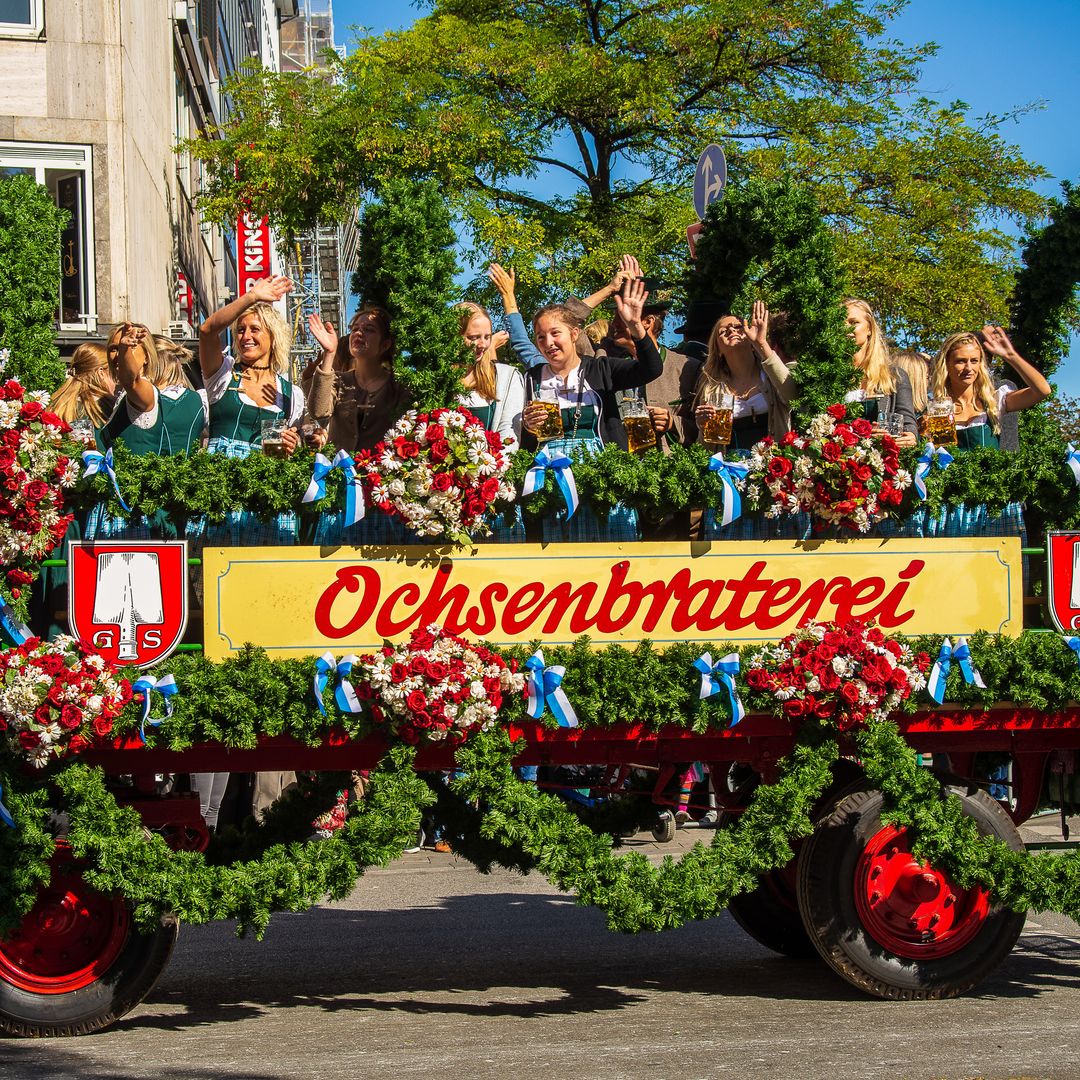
355,419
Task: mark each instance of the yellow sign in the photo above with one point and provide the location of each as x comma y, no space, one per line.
299,601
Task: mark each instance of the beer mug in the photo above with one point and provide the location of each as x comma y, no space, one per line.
82,431
550,426
893,423
273,441
640,433
938,425
717,428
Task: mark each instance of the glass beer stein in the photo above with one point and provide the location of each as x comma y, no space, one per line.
717,429
938,425
640,433
551,425
273,442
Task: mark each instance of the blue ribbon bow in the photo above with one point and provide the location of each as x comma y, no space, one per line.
323,666
1072,459
94,462
345,695
5,813
146,685
545,691
12,625
559,463
729,472
930,456
354,492
939,673
721,674
1074,644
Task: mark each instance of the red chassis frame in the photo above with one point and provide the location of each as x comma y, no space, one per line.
759,740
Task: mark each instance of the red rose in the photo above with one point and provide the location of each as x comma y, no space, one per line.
53,420
440,450
862,473
102,726
418,665
850,693
837,412
856,491
442,482
11,438
829,679
898,680
416,701
31,410
435,433
12,391
895,648
409,736
779,466
788,438
422,639
7,457
19,577
28,740
70,717
36,490
862,428
437,670
43,714
398,673
794,708
489,489
77,744
831,451
847,436
845,507
405,448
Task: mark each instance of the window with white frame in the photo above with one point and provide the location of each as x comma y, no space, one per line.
67,172
22,18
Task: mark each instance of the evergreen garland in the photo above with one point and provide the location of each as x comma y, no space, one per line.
766,240
407,266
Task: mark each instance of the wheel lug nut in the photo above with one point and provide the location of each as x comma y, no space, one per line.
875,873
894,850
935,919
913,923
875,898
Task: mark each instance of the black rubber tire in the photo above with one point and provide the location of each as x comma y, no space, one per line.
664,829
826,895
770,915
120,988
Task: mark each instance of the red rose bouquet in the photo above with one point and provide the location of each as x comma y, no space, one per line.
437,687
438,472
837,472
56,697
33,474
849,674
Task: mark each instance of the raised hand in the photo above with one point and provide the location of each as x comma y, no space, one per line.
630,267
498,340
503,280
131,335
323,332
269,290
996,342
757,328
629,303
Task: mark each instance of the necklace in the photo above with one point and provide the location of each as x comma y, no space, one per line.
245,368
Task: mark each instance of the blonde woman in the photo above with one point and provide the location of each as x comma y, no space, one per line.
158,411
252,387
494,392
962,374
742,363
879,380
88,391
917,368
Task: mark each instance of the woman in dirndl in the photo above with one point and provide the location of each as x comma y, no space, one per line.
495,394
744,367
246,391
961,373
355,399
158,412
585,389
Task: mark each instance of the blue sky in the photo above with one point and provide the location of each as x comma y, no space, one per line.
994,54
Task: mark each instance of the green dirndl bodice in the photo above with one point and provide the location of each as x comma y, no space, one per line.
970,438
747,430
179,424
234,421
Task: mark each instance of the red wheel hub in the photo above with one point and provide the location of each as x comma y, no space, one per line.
69,939
910,908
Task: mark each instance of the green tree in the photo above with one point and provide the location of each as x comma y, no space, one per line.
30,226
617,99
407,266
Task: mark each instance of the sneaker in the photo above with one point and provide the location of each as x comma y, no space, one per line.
681,818
415,849
442,846
709,820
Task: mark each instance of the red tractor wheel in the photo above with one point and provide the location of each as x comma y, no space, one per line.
890,925
76,962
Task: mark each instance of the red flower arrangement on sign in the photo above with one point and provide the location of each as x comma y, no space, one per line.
847,673
838,472
57,697
438,472
33,474
437,687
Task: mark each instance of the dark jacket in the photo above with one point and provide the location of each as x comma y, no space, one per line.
603,374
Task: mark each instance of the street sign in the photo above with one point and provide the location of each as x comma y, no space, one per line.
692,233
710,178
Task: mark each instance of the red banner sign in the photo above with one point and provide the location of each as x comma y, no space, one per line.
252,251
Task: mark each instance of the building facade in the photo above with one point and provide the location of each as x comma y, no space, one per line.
94,97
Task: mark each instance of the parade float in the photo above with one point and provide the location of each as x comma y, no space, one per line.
843,676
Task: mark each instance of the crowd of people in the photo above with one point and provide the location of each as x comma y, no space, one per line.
136,389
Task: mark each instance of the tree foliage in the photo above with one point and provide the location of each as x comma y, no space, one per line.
616,100
407,266
30,227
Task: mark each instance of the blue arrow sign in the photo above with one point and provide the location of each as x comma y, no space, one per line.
710,178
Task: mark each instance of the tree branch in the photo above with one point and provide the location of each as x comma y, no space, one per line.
561,165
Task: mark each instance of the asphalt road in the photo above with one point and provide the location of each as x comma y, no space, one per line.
433,970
